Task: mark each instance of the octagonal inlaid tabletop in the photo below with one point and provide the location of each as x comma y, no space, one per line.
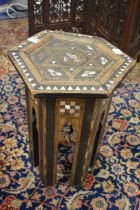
58,62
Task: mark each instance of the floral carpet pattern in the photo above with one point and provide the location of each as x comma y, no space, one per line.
113,183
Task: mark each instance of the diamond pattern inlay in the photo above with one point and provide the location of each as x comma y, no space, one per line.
70,63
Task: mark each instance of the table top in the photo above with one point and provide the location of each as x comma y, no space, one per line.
56,62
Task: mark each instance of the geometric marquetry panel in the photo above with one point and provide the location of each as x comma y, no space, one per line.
60,62
69,114
70,108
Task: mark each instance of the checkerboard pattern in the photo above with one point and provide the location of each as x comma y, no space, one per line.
70,108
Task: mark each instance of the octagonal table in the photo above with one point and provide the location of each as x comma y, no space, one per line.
69,79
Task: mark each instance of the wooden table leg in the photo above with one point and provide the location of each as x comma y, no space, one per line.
42,141
100,132
51,143
30,129
80,147
96,116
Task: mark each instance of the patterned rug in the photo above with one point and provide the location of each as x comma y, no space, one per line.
112,184
12,32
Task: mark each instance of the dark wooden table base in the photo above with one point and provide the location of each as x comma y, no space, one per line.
46,119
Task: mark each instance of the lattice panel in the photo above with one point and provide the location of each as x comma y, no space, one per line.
38,12
80,10
59,10
111,19
113,16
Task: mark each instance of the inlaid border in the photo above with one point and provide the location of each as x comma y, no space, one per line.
101,86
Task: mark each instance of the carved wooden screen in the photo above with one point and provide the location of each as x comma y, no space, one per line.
108,18
118,21
55,14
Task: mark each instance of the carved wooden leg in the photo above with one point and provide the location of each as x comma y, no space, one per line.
42,141
31,128
79,158
92,135
47,140
39,113
35,137
99,134
50,147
